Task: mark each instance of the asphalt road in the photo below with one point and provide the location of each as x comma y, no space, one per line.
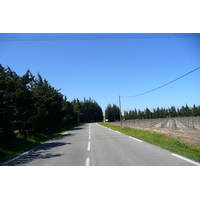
94,145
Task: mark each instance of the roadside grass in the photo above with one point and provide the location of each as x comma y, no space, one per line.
22,144
160,140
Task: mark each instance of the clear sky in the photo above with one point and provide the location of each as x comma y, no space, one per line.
104,66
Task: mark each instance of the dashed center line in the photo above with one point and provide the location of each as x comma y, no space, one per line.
87,162
88,146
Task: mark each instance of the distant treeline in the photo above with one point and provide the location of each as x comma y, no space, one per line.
112,113
30,105
184,111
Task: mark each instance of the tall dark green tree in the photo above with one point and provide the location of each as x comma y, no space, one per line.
24,104
92,112
196,110
147,113
8,86
48,106
112,113
172,111
87,110
68,113
15,103
78,111
30,105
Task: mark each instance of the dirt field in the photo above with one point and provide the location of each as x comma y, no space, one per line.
186,130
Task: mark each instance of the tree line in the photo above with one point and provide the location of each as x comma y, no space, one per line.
112,113
30,105
184,111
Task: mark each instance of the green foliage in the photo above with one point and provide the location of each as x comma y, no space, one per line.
87,111
48,106
112,113
30,106
15,103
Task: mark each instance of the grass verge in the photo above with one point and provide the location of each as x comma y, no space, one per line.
160,140
22,144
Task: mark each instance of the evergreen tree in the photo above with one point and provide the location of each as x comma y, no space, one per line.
112,113
68,113
15,103
87,111
194,110
198,110
172,111
78,111
8,80
188,111
147,113
24,104
140,114
48,106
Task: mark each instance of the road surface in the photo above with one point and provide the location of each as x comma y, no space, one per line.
94,145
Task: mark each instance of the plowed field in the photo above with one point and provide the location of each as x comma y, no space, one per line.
185,129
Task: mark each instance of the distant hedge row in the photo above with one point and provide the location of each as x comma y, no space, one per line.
112,113
184,111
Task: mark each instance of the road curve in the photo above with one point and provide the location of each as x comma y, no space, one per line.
95,145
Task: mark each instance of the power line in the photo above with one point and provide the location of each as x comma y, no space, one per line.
161,85
91,36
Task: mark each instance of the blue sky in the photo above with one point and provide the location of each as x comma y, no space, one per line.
104,66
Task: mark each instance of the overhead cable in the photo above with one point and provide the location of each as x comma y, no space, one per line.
161,85
90,36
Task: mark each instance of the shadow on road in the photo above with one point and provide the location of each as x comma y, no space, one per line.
40,152
75,129
60,137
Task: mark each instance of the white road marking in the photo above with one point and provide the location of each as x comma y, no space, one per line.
12,160
89,137
87,162
117,132
89,130
186,159
135,139
17,157
88,146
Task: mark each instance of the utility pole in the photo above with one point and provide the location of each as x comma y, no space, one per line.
120,111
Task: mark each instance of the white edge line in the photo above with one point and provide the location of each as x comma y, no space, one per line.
121,133
135,139
117,132
186,159
5,163
87,162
